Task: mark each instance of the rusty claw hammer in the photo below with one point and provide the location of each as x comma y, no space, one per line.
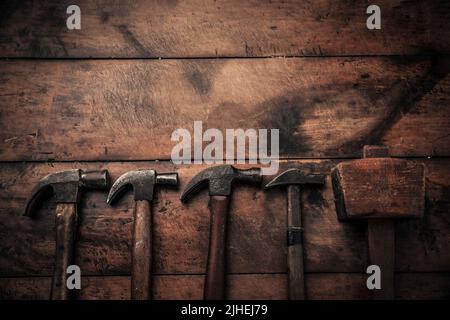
143,183
220,180
66,187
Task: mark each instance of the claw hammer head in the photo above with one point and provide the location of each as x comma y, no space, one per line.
66,186
296,176
219,180
142,182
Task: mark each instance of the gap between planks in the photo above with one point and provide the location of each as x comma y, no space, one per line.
20,276
418,55
169,160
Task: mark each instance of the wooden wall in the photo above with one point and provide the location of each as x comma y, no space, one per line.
110,95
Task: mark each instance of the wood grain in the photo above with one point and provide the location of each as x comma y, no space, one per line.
127,110
223,28
335,286
257,228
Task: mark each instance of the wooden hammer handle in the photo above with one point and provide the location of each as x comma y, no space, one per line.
215,271
381,238
141,264
295,244
66,226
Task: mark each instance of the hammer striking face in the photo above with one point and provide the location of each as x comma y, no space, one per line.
66,187
143,183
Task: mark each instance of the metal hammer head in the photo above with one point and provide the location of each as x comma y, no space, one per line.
220,179
65,186
143,184
296,176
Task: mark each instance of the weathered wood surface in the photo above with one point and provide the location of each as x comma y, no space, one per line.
256,232
318,285
127,110
221,28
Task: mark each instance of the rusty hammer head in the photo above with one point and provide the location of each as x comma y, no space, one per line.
296,176
220,180
142,182
66,186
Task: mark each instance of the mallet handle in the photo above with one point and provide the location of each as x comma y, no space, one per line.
141,264
295,243
215,271
381,238
66,226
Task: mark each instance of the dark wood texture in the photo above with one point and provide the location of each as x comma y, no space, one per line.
222,28
373,151
66,230
249,286
141,255
295,265
216,264
341,87
127,110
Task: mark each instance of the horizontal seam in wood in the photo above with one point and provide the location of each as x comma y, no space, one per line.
437,54
424,157
228,274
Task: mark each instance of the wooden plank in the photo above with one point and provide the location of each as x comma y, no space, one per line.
221,28
128,110
319,286
256,232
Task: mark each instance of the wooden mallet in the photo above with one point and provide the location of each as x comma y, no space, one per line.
380,189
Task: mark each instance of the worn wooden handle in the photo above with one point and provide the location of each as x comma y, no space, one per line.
295,244
381,238
215,271
141,265
66,225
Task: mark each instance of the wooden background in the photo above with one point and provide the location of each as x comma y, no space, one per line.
110,95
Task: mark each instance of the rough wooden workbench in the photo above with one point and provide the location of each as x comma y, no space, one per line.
99,97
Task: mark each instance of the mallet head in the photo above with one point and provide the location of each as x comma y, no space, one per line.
66,186
296,176
379,188
219,180
142,182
